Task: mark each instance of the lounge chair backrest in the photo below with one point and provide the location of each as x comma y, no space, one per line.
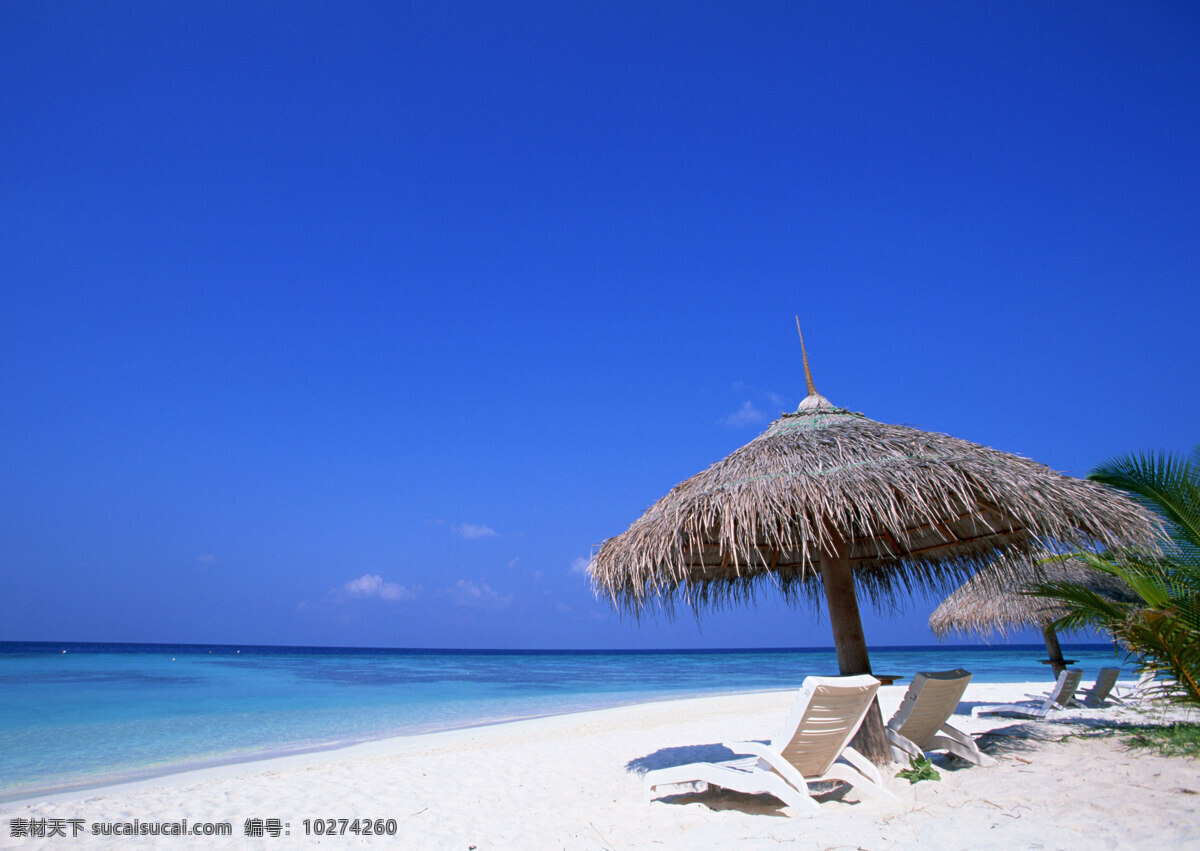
1064,690
1105,680
930,700
825,716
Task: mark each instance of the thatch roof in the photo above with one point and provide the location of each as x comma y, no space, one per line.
922,511
979,607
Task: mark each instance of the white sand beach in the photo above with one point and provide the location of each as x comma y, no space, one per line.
575,782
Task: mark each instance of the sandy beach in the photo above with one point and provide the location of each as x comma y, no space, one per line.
574,781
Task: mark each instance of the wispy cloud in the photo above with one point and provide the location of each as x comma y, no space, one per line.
481,596
580,564
472,532
372,585
744,416
761,395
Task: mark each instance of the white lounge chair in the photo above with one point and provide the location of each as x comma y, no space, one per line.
1141,690
811,748
1059,697
1100,692
922,723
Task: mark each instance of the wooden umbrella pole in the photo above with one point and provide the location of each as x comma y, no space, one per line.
1054,651
851,643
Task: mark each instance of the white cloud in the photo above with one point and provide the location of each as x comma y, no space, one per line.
749,413
472,532
744,416
372,585
580,565
467,593
207,559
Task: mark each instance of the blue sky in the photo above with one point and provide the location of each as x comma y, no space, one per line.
361,324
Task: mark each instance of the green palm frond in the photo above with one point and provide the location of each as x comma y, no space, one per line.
1164,630
1162,626
1175,648
1085,608
1166,484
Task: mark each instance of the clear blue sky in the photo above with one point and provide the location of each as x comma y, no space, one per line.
361,323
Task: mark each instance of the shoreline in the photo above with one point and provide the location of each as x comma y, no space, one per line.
138,778
574,780
58,750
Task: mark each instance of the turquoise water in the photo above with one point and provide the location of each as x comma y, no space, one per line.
101,713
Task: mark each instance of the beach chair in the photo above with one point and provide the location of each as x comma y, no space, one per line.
1141,690
812,747
922,721
1100,692
1059,697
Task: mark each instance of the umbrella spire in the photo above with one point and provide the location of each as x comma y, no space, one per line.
813,399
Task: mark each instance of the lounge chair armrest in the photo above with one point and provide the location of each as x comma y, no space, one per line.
1065,701
1024,709
864,765
902,743
997,708
772,758
755,748
952,732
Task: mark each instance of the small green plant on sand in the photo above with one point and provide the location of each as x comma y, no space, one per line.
1169,740
1176,739
919,768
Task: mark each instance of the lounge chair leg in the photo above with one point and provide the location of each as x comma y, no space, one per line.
799,801
862,784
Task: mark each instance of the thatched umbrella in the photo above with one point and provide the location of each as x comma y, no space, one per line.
982,606
825,499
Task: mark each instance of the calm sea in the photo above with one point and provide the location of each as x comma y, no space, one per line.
79,715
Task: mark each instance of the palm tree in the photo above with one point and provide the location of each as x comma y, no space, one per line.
1163,626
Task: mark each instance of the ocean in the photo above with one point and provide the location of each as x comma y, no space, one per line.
74,716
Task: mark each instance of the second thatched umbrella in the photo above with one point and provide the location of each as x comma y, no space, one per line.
982,605
826,499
